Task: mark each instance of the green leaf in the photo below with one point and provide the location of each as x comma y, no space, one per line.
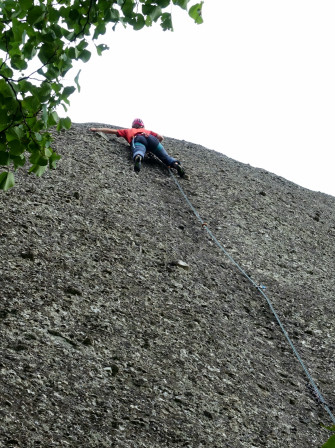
38,137
37,159
53,159
4,118
4,158
52,73
6,181
112,15
330,443
74,15
26,4
16,147
163,3
19,132
18,161
18,62
166,21
82,44
56,87
100,29
11,134
68,91
73,53
85,55
47,152
15,12
137,22
196,13
5,89
31,104
53,118
35,14
33,148
100,48
64,123
64,64
76,80
153,11
47,52
5,70
181,3
29,50
19,30
128,7
43,92
39,170
25,86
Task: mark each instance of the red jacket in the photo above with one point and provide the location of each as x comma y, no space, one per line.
129,134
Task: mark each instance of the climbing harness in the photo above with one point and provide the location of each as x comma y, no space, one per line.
261,288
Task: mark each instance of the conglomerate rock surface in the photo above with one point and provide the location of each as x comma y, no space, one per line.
122,324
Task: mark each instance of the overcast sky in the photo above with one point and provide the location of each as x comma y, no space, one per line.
256,82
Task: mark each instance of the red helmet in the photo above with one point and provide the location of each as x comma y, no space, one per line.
137,123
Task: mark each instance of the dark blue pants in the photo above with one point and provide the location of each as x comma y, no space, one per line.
141,144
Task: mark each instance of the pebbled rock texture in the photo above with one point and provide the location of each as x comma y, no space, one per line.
123,325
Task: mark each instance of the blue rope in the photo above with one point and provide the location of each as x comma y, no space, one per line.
261,289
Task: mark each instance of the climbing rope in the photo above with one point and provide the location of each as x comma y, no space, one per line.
260,289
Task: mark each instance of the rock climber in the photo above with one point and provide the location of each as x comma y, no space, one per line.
141,140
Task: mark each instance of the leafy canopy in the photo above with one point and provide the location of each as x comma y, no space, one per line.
39,41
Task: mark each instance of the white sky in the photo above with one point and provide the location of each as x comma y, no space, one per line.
256,82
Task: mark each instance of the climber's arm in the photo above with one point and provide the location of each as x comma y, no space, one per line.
105,130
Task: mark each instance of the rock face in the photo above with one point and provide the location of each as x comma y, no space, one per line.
123,325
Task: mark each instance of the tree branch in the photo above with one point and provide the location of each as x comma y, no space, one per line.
86,23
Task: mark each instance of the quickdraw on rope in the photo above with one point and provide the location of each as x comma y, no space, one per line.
261,289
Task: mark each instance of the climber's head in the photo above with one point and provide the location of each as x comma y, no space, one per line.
137,123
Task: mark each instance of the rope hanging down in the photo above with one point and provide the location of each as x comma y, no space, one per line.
260,288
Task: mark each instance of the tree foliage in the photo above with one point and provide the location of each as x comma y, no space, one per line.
39,42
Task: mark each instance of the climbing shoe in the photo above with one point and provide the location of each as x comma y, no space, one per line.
137,163
177,166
